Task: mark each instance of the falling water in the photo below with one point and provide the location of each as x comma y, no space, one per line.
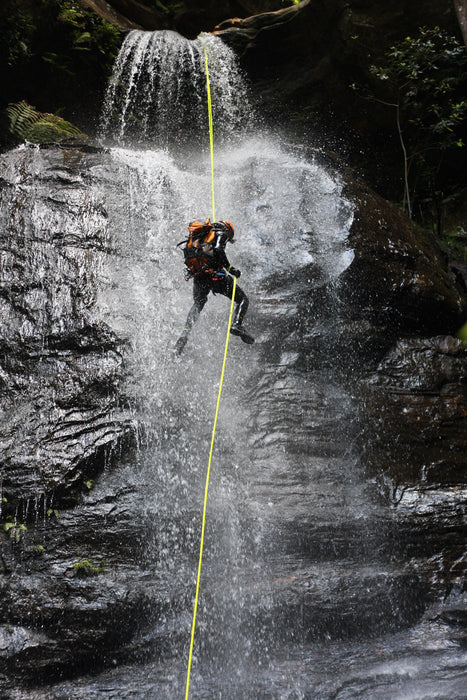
300,597
157,91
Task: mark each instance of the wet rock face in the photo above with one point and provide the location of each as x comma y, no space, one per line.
400,303
398,284
61,423
399,280
72,589
80,586
60,370
416,408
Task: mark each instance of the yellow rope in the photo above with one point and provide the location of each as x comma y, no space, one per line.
206,494
203,526
211,132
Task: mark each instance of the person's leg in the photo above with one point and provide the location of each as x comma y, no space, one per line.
242,307
241,299
225,287
200,297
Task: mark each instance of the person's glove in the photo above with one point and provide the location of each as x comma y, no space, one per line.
233,271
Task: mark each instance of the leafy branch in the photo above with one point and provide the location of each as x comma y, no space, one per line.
424,80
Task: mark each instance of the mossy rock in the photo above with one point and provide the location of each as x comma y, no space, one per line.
27,124
85,569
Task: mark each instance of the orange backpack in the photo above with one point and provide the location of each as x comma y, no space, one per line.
199,248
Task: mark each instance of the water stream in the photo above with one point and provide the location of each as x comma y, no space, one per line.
301,595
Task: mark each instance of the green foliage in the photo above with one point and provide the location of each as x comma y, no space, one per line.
56,54
456,242
26,124
89,37
16,31
85,568
462,333
14,528
81,40
429,75
425,80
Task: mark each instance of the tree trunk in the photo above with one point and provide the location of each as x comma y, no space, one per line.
406,163
461,11
128,14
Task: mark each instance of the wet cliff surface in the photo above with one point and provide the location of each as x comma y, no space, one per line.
336,526
60,369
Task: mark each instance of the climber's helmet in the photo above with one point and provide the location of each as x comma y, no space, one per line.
229,230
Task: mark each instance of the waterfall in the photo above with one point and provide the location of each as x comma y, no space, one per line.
300,591
288,211
157,91
291,224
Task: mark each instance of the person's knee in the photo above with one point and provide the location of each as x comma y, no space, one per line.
197,306
200,303
240,296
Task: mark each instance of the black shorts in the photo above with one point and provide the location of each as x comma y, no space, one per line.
203,284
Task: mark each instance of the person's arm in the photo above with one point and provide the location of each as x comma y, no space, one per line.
221,257
219,250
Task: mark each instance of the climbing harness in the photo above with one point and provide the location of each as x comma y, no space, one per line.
217,277
203,525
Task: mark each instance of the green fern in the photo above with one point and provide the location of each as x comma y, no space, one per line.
27,124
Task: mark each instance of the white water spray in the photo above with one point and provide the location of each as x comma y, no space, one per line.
157,93
291,559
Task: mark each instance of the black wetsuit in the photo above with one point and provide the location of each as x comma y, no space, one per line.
217,282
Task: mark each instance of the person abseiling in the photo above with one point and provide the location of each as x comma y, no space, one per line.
207,264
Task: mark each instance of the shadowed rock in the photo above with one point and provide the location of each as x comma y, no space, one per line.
87,575
416,413
60,369
399,279
310,53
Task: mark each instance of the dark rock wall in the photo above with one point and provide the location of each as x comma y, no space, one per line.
60,369
402,303
400,279
61,423
310,69
76,591
389,329
417,404
309,54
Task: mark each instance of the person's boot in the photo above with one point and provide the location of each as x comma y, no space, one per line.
237,327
